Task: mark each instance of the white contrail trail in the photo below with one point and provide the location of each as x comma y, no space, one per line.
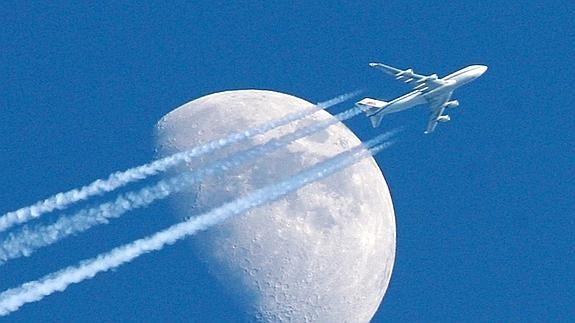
24,242
12,299
62,200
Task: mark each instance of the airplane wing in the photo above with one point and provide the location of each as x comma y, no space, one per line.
437,106
419,82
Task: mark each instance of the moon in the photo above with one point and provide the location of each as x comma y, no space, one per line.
323,253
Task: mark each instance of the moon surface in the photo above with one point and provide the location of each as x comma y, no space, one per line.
323,253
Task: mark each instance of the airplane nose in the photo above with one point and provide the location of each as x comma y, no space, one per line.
480,69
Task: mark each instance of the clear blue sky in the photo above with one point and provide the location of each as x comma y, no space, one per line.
485,206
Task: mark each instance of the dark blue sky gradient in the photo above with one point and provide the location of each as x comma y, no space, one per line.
485,209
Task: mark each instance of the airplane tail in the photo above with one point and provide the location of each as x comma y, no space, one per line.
376,120
372,108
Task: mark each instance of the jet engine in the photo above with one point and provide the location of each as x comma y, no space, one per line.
444,118
407,74
452,104
432,77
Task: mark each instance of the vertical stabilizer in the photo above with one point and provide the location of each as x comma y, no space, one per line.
372,109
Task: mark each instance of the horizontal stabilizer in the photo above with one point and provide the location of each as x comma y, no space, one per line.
372,107
376,119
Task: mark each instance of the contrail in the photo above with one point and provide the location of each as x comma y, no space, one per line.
12,299
62,200
25,241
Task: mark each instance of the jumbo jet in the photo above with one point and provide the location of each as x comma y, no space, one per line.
427,90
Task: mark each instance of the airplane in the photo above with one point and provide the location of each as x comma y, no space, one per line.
428,89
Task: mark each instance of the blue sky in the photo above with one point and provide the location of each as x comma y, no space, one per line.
484,206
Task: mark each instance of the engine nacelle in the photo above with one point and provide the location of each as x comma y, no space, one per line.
432,77
408,73
444,118
452,104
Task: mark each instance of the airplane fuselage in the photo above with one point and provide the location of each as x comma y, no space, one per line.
423,96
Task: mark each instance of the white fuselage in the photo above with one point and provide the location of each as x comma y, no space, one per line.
423,96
